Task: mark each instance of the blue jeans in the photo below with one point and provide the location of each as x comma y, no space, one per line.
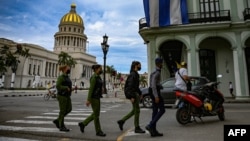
158,111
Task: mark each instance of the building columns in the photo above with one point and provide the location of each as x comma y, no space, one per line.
240,82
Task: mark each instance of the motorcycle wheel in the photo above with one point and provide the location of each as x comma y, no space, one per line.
46,97
221,114
182,116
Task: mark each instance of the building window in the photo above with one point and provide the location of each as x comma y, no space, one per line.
53,69
34,70
69,29
38,69
29,69
209,8
46,68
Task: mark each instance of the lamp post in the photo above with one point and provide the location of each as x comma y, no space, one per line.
105,48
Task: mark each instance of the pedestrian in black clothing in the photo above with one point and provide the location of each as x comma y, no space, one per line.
133,93
158,104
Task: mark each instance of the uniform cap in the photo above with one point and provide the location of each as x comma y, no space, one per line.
158,60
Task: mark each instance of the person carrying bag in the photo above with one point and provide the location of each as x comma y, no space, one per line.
182,79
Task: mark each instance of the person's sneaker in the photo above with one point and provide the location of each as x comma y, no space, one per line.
120,123
101,134
82,126
139,130
56,122
64,129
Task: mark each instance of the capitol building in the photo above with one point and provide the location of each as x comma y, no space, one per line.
43,63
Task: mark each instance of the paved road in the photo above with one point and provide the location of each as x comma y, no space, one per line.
30,118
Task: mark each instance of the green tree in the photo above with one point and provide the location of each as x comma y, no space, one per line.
110,69
3,52
143,81
66,59
11,59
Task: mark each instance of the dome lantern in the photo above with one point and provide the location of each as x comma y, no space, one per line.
72,17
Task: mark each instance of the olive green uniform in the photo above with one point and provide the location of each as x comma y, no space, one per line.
63,97
135,111
132,91
94,95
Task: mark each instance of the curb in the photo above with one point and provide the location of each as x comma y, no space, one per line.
237,101
20,95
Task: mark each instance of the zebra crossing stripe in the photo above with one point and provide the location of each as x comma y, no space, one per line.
50,117
38,122
70,114
34,129
81,111
14,139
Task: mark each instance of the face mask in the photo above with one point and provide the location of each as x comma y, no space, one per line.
160,66
100,72
68,71
138,68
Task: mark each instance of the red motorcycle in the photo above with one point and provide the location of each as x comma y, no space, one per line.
207,101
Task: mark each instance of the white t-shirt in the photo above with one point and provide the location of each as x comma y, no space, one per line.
179,83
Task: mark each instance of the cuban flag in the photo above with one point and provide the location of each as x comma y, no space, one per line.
165,12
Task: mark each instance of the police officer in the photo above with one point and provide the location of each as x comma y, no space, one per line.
133,93
64,87
94,95
157,100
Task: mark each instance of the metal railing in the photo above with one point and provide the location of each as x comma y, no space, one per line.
201,17
246,14
205,17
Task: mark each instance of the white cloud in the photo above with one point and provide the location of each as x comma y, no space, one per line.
37,21
97,26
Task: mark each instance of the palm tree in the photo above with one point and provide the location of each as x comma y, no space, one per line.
11,59
3,52
143,81
66,59
3,69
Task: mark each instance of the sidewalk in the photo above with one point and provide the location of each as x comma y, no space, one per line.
112,96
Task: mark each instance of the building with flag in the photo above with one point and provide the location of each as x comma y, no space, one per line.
212,36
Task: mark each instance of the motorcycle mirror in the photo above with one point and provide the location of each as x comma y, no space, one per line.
219,75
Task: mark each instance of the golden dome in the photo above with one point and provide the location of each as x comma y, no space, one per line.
72,17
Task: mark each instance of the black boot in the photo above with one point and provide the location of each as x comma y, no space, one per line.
100,133
139,130
120,123
151,131
64,129
157,133
56,122
82,126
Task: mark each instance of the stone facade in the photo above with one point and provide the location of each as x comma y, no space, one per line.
216,41
71,39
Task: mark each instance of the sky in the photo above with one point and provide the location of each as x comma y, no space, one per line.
36,22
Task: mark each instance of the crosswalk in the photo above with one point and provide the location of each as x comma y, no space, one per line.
33,123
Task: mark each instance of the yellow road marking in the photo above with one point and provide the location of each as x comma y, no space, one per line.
120,138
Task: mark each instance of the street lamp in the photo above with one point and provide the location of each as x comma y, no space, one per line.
105,48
